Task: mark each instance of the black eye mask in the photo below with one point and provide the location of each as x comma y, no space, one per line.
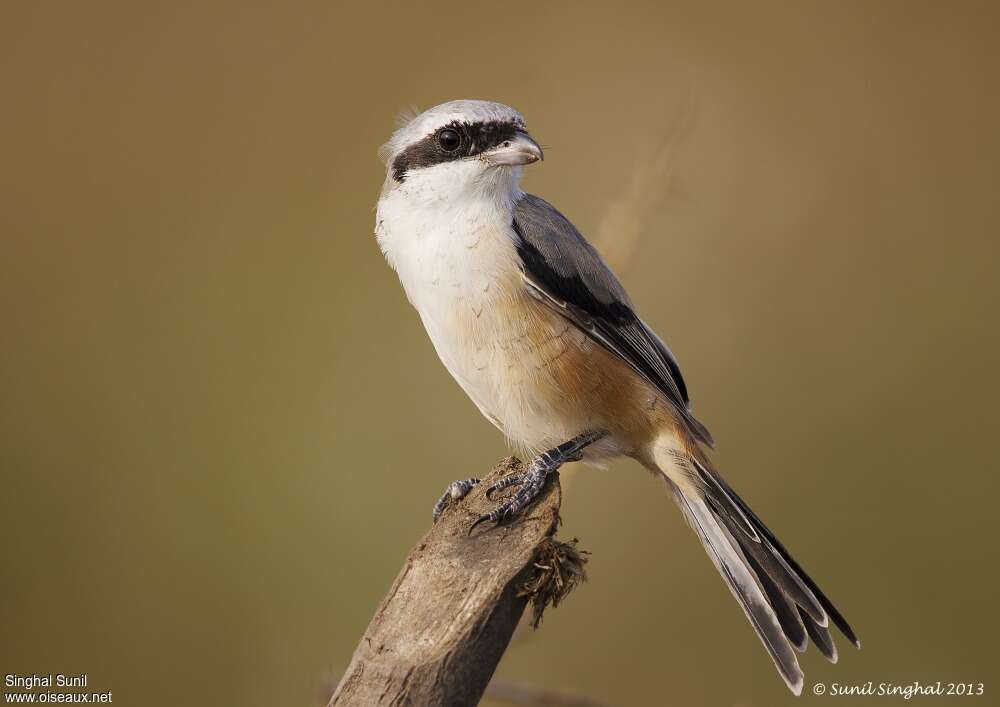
476,138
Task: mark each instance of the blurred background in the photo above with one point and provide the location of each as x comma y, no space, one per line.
222,427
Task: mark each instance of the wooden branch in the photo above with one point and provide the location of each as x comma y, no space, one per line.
439,633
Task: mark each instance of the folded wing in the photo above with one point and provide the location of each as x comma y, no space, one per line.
565,272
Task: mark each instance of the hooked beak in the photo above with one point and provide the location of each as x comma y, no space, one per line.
519,150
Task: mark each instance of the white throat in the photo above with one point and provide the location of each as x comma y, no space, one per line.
436,220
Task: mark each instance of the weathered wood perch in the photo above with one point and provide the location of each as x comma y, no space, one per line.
439,633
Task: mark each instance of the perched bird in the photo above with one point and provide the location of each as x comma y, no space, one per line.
537,330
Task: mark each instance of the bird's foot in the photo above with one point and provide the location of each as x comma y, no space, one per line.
455,491
532,480
505,483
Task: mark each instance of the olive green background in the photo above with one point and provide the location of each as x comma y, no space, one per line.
222,426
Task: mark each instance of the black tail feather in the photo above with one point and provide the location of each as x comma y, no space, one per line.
792,623
799,605
838,619
738,573
821,638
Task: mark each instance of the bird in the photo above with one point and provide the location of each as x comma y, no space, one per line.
541,335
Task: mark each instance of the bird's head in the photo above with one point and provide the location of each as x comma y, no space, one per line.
460,147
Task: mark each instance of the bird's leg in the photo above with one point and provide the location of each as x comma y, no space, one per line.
533,478
455,490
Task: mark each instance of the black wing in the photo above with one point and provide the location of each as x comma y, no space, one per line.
564,271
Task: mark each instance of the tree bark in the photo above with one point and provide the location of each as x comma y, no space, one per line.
439,633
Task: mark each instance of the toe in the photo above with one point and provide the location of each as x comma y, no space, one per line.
480,519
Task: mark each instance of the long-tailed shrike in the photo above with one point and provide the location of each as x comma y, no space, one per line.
541,335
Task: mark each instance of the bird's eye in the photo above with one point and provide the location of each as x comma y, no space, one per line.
449,140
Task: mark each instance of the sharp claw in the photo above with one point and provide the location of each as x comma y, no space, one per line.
532,479
481,519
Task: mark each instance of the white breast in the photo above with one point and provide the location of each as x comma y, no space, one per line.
458,264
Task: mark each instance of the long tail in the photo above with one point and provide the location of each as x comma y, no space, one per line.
783,604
